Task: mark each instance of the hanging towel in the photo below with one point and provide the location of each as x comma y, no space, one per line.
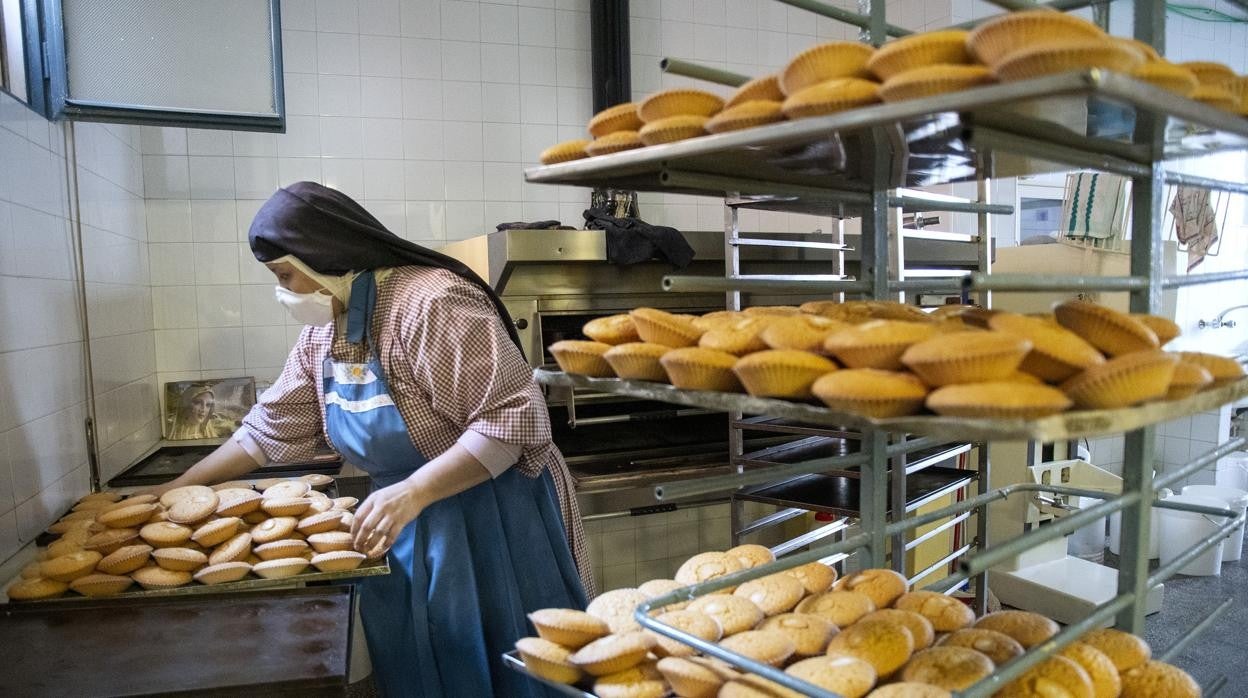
1094,208
632,240
1195,223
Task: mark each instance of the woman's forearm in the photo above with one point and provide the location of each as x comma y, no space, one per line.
228,462
447,475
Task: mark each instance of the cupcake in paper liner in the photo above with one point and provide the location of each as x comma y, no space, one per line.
1123,381
614,143
694,368
672,129
1165,328
678,102
998,400
871,392
966,357
1106,329
947,47
1215,96
802,332
1167,76
783,373
581,357
564,152
638,361
933,80
830,97
661,327
1065,55
612,329
1148,54
850,312
1189,378
765,88
739,338
878,343
1210,72
1056,352
758,112
718,318
835,59
621,117
993,40
1223,368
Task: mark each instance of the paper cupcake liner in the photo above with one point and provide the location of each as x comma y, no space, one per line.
990,408
564,152
678,102
830,97
613,330
764,88
654,332
694,376
636,366
882,356
1047,367
786,382
552,671
672,129
1179,392
731,339
916,51
981,368
1216,97
1210,73
876,408
101,585
621,117
837,59
695,680
585,363
1239,89
1223,369
993,40
1061,58
746,115
1122,386
1167,76
1147,53
611,665
614,143
912,86
1113,333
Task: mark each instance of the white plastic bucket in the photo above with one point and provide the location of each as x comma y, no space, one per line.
1181,529
1232,471
1154,534
1088,543
1236,500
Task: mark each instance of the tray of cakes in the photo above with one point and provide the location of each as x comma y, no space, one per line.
197,540
867,634
976,374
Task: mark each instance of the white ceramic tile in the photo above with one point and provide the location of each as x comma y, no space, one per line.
121,359
339,95
461,60
536,26
221,348
464,219
10,543
501,142
218,306
500,103
422,99
259,307
379,17
422,140
461,21
1175,450
383,138
211,177
254,144
165,177
201,141
44,451
381,56
503,182
572,68
302,137
337,16
299,14
215,263
337,54
174,307
420,18
244,213
539,211
264,346
463,141
537,65
392,214
500,63
464,181
502,211
61,385
172,264
423,180
383,179
421,58
344,174
575,106
426,220
177,350
251,271
341,137
157,140
534,138
33,243
381,97
538,104
302,97
1205,427
291,170
213,221
572,30
461,101
499,24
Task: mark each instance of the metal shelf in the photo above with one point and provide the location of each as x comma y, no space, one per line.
839,495
821,162
1059,427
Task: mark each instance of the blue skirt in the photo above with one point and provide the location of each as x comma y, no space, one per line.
463,576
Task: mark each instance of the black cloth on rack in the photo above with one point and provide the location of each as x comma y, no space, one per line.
331,233
536,225
632,240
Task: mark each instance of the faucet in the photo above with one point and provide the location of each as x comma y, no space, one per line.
1218,321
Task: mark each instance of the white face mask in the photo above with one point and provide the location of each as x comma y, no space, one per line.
309,308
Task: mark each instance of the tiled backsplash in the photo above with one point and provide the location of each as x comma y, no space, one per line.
1177,443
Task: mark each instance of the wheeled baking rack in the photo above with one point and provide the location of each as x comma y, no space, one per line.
850,165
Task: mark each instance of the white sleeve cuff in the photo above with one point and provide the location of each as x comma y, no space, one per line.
243,438
497,456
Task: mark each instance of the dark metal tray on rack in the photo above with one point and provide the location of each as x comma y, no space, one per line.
838,494
1058,427
931,141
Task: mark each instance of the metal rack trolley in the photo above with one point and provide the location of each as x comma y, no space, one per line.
846,164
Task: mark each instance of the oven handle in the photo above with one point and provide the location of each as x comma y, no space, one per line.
648,416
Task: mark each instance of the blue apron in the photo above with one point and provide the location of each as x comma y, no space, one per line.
467,570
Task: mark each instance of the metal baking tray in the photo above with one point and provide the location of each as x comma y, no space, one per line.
839,495
370,568
930,141
277,642
1058,427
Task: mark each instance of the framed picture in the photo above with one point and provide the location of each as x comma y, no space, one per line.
207,409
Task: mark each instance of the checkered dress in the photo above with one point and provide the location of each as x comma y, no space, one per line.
450,366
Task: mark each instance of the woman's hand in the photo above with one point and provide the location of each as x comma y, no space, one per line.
382,516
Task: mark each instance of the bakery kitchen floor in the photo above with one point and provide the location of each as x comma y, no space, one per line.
1222,650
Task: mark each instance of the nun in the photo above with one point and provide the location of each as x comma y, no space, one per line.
410,368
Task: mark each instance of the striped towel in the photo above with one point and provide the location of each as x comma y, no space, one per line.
1094,208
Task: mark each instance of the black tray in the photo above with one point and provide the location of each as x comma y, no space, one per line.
168,462
838,495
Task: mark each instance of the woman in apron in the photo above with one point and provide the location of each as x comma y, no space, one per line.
410,369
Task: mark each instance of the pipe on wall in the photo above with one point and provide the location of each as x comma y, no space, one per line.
610,48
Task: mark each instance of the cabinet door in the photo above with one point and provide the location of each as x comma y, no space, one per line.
207,63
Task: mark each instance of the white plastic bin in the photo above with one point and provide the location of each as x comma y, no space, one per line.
1154,532
1235,500
1232,471
1181,529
